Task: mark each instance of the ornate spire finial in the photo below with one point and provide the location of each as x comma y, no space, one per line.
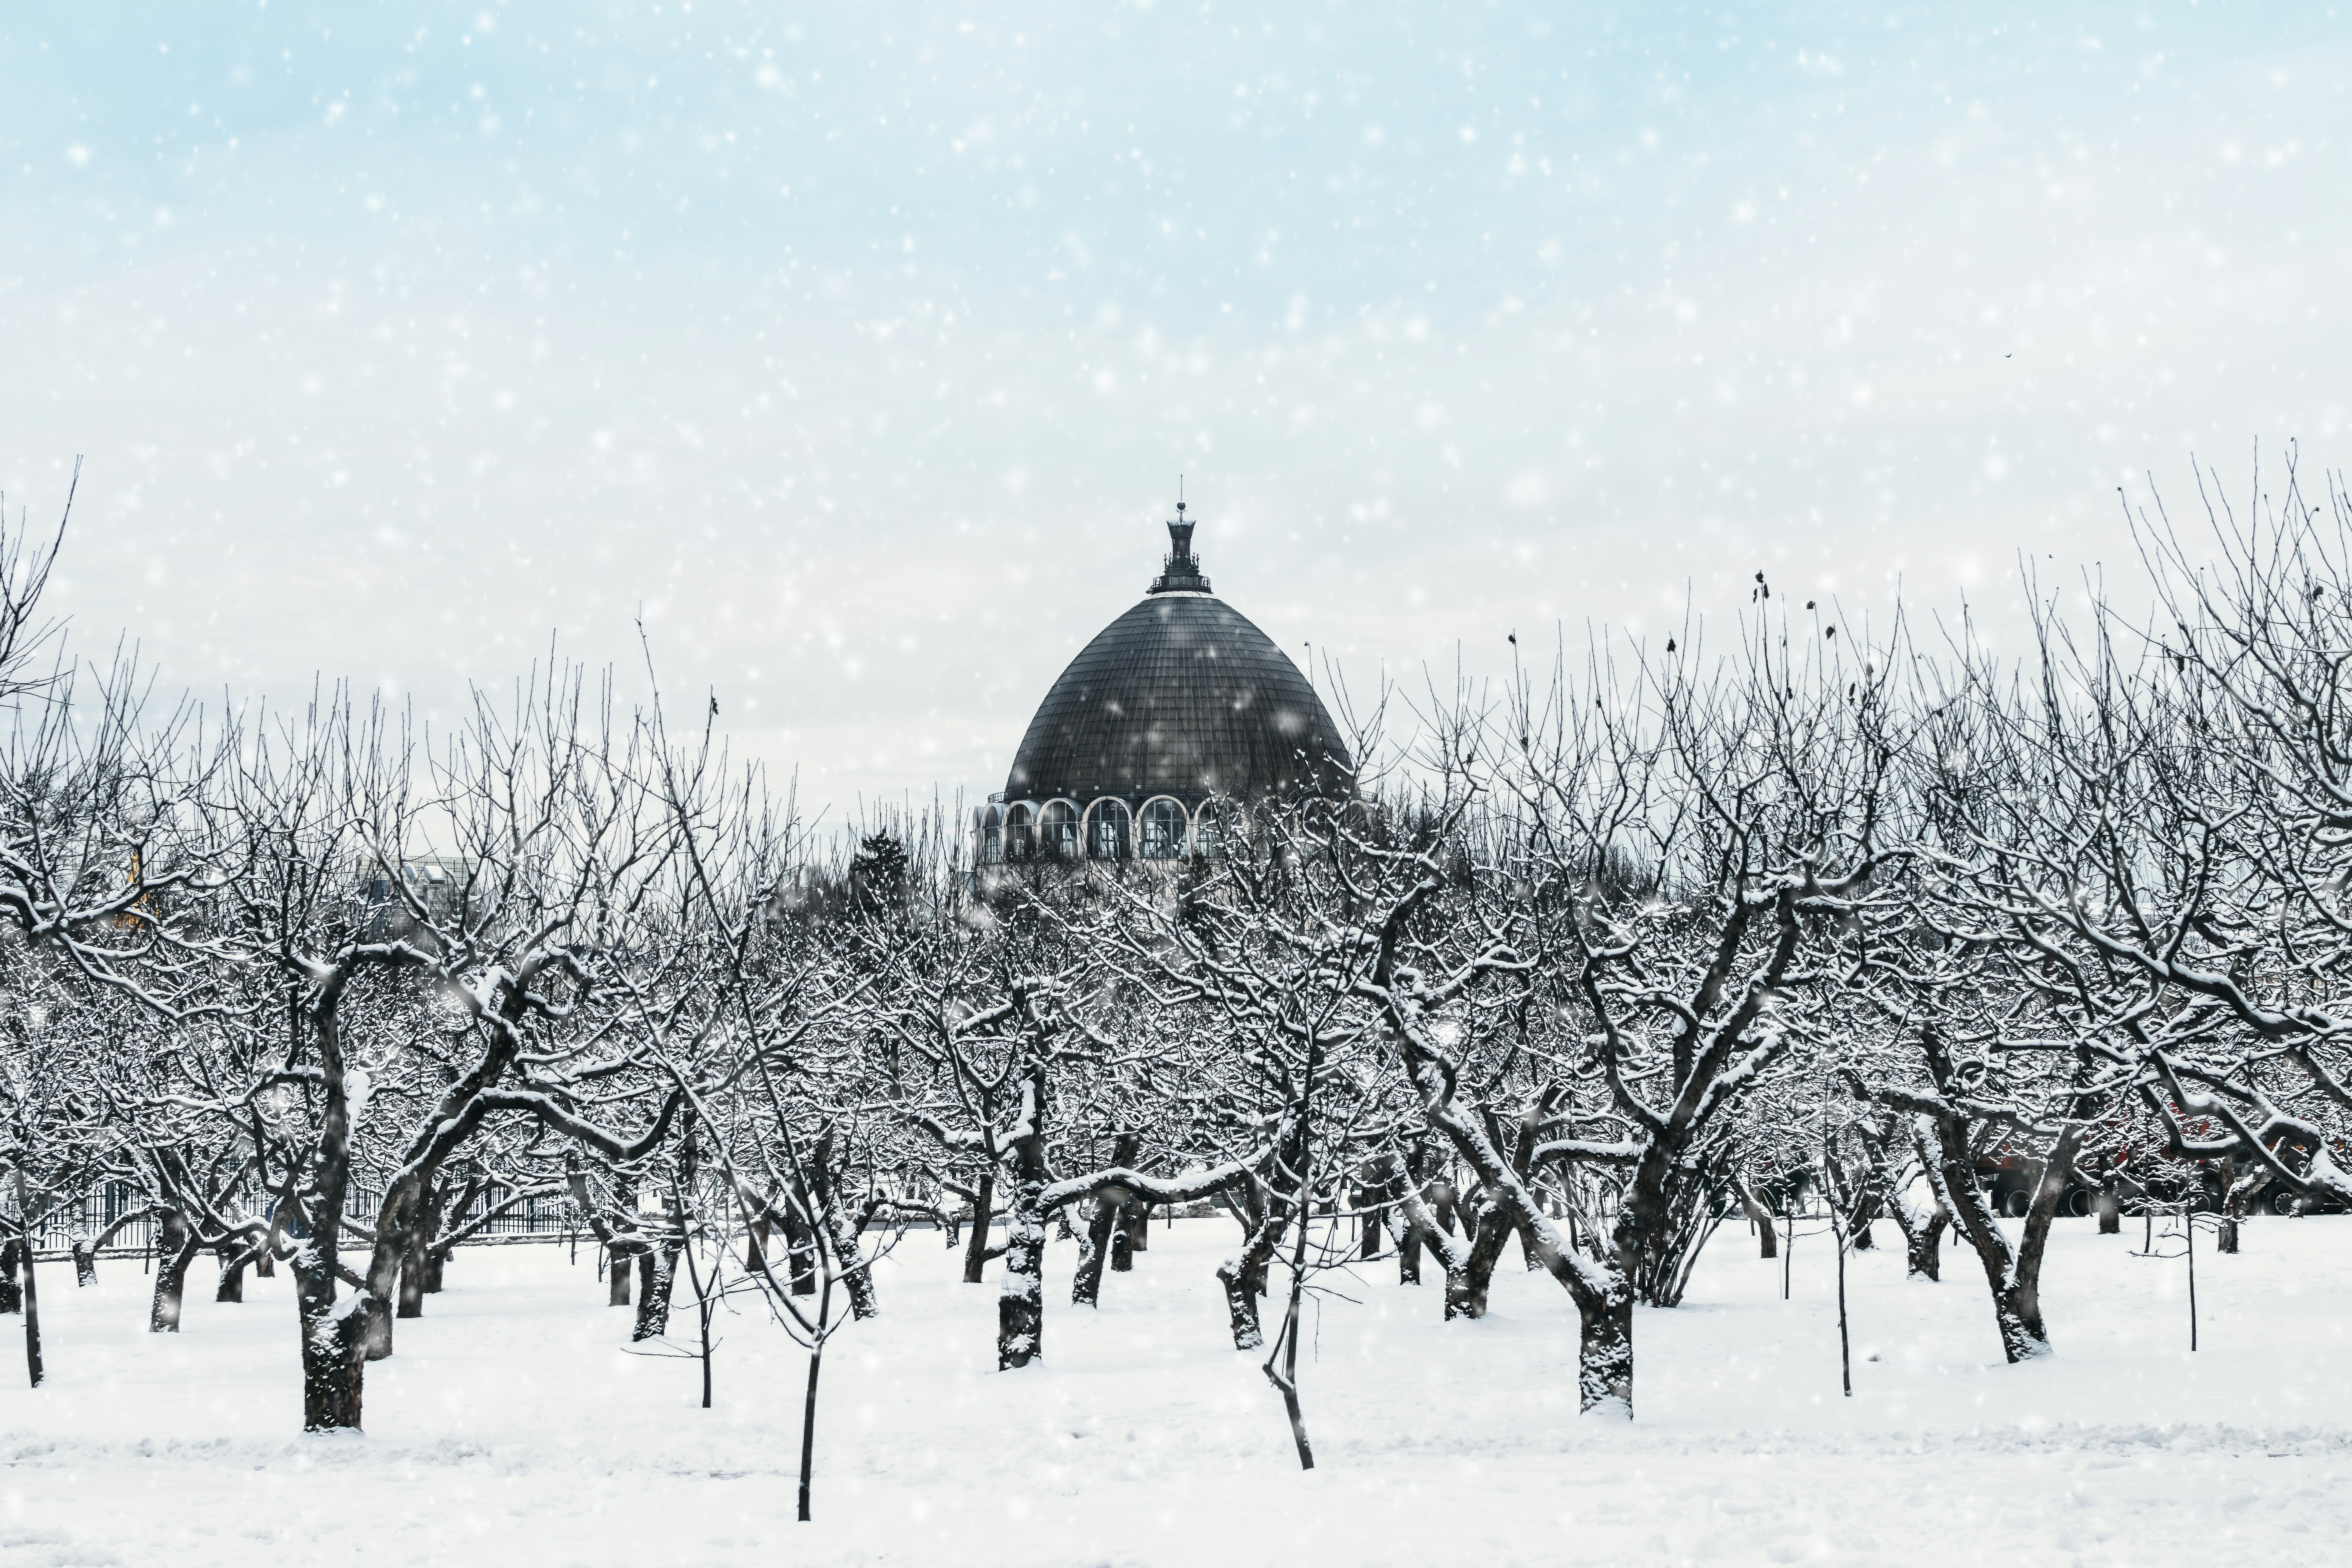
1181,572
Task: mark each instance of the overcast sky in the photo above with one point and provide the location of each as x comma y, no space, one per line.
860,349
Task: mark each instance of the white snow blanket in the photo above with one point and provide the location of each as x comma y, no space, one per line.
514,1426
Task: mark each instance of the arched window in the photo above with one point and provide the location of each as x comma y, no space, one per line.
1057,830
1164,827
1020,837
1109,829
991,834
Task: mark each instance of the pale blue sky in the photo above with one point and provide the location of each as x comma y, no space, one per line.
861,346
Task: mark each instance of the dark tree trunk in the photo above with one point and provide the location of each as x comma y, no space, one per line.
617,1254
657,1273
808,1427
175,1247
1853,1199
416,1264
1241,1275
833,1214
2109,1207
975,1252
1465,1293
334,1347
1606,1361
1122,1237
407,1225
2012,1272
800,1240
410,1302
1139,1233
755,1246
437,1254
12,1295
1411,1228
616,1257
1443,1198
1922,1225
2233,1206
1923,1249
1601,1288
1095,1248
396,1232
1244,1277
2235,1195
1020,1299
1108,1232
333,1333
33,1369
233,1255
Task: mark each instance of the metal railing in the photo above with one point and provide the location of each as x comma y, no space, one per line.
102,1206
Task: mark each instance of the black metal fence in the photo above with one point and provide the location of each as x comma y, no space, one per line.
103,1207
98,1209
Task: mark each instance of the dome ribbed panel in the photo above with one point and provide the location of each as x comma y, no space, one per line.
1179,696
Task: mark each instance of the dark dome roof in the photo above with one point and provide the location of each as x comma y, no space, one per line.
1179,696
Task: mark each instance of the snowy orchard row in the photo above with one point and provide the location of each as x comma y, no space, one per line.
1636,945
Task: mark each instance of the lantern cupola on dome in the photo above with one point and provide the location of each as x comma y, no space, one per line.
1180,573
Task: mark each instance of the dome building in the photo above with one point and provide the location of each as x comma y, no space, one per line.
1177,709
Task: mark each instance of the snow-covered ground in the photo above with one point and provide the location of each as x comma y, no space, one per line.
513,1427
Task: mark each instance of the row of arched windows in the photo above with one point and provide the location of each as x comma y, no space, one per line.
1104,829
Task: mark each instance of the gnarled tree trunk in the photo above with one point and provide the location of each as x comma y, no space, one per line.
1106,1229
975,1252
657,1273
416,1264
1467,1287
2012,1272
799,1241
1124,1220
1604,1372
233,1255
1922,1224
1244,1276
175,1247
2236,1191
1416,1229
1020,1299
833,1214
616,1263
334,1346
1095,1247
